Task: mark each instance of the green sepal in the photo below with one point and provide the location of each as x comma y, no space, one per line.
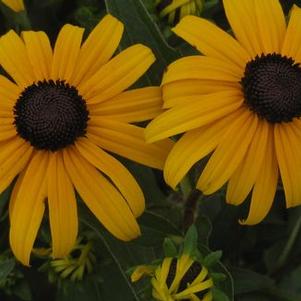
217,277
212,258
169,247
191,241
219,295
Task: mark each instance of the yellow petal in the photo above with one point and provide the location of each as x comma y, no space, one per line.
196,114
7,129
39,53
118,174
118,74
9,93
185,91
28,208
66,52
271,25
265,186
244,177
131,106
195,289
15,5
62,207
228,154
193,146
211,41
202,67
291,45
128,141
258,25
288,152
15,191
98,48
14,59
101,197
14,156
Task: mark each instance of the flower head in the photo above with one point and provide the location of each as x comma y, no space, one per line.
241,100
175,10
178,279
64,110
15,5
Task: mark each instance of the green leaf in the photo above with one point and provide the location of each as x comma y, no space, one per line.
6,267
246,281
140,28
22,290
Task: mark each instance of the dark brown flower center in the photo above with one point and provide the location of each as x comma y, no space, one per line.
272,87
51,115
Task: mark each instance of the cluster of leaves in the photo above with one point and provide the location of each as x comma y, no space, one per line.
263,260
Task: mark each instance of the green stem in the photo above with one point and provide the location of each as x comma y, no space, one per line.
186,187
290,243
23,21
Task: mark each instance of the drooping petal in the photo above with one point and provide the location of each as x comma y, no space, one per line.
131,106
244,177
98,48
288,152
118,74
204,35
196,114
193,146
292,42
228,154
258,25
118,174
28,209
202,67
7,129
15,5
14,156
128,141
14,59
265,186
39,52
62,207
100,196
66,51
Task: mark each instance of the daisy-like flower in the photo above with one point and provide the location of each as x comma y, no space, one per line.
241,101
178,279
15,5
174,10
64,110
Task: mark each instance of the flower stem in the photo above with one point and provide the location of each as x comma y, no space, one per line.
290,243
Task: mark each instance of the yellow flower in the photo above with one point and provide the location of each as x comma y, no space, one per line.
64,111
181,279
15,5
174,10
241,101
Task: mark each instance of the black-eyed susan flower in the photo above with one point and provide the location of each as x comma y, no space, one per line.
64,110
174,10
241,101
15,5
177,279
